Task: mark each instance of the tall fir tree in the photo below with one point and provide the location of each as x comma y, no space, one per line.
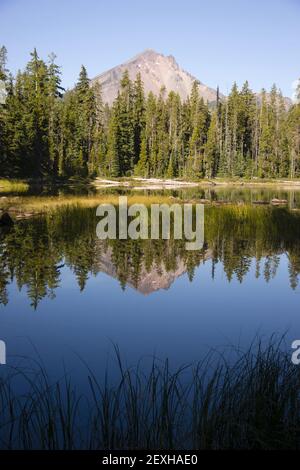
3,91
138,116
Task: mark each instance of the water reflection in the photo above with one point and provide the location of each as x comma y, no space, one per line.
34,252
223,193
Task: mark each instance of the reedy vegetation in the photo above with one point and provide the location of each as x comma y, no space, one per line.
13,185
46,132
229,400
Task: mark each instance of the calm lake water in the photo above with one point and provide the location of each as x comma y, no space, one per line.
68,297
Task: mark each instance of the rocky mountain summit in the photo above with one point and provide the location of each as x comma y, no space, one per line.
149,280
157,71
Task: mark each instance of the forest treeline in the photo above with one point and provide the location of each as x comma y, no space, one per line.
46,131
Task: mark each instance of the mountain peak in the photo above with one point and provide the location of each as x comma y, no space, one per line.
157,70
147,54
149,51
150,55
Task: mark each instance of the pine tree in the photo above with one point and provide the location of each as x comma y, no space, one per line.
265,140
113,166
55,94
199,118
246,119
170,170
138,115
142,167
3,90
231,145
77,128
99,148
162,136
294,140
126,127
273,129
151,132
15,130
175,133
283,142
211,151
36,116
86,109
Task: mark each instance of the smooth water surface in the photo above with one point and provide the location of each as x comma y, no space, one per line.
68,297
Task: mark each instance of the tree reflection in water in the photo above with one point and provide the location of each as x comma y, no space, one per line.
33,252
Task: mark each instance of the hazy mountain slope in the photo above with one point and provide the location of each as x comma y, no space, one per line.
156,71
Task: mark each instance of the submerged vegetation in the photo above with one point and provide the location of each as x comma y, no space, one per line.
46,132
250,400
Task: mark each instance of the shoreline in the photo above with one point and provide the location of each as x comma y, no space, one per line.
22,205
136,183
139,183
18,208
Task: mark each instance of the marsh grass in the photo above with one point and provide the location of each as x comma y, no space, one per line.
17,186
45,204
249,402
40,204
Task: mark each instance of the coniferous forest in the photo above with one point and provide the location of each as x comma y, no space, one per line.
48,132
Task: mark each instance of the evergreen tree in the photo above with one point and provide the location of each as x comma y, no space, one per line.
3,90
175,133
199,119
283,142
46,132
99,147
211,151
36,117
138,116
55,94
142,167
126,126
294,140
151,132
86,110
15,129
113,167
246,118
265,140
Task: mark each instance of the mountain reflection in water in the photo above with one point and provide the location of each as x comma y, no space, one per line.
34,252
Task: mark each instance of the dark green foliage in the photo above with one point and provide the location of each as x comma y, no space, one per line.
45,132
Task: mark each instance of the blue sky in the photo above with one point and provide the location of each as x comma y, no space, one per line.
218,41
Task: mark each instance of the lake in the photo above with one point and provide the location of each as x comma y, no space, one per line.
67,298
117,344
